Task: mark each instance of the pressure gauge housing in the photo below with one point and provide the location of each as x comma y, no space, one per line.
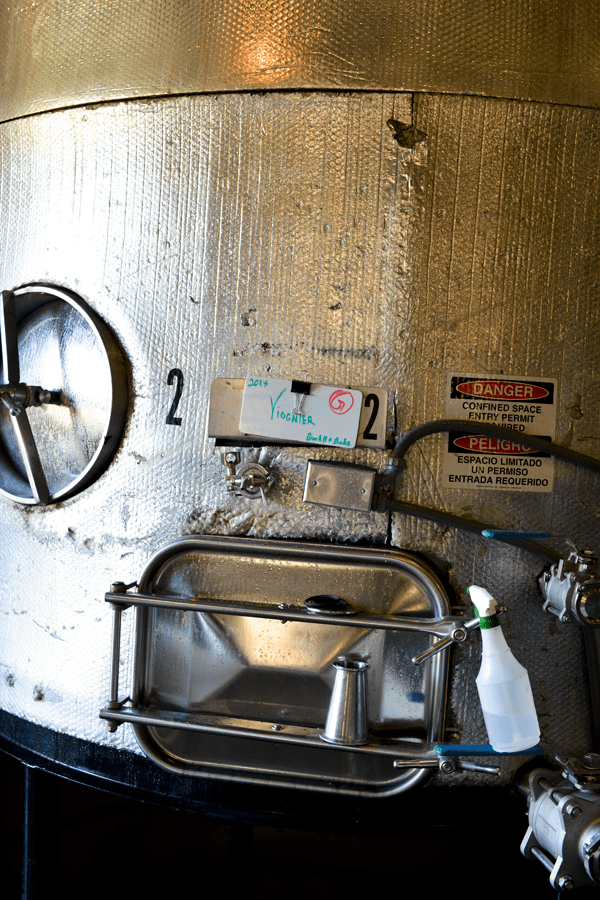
64,395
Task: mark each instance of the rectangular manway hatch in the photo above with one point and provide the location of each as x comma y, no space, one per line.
245,696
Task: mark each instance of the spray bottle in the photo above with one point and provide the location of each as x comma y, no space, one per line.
503,684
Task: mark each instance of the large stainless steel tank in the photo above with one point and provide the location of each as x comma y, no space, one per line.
379,197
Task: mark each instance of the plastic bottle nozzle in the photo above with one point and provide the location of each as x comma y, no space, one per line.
484,603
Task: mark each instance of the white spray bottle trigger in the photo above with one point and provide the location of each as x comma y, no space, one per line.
483,601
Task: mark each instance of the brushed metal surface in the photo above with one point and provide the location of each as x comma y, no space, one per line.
231,235
280,671
508,284
129,205
344,487
59,53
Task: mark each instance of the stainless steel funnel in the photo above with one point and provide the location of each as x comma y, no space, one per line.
347,718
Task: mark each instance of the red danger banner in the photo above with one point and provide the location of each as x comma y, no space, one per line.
502,389
481,443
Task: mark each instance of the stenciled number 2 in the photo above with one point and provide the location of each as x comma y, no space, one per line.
371,400
175,375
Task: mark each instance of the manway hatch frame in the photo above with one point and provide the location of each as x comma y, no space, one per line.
233,672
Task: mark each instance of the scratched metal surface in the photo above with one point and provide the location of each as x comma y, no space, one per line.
59,53
509,284
235,234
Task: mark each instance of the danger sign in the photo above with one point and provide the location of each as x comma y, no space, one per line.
521,404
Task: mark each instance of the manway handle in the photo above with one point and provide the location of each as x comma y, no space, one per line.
450,629
457,636
118,608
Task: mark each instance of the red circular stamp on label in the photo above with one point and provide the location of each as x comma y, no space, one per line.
341,402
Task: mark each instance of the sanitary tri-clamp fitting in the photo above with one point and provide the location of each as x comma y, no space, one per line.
251,480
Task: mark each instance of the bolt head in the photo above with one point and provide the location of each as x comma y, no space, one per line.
573,811
565,883
446,767
591,760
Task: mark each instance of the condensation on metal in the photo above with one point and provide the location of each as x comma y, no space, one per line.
289,233
59,53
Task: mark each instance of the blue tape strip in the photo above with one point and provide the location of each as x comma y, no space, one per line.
482,750
499,534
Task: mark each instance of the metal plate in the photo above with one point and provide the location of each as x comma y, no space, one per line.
263,673
335,484
226,405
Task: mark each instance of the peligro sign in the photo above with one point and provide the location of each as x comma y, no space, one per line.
480,443
520,403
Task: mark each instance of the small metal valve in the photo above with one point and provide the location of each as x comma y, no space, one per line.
251,480
564,821
571,588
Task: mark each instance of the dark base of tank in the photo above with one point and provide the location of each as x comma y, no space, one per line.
101,822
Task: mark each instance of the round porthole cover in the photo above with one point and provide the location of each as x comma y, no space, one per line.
63,392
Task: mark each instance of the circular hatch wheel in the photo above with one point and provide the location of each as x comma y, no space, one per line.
64,395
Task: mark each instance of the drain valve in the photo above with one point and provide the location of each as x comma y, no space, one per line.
250,481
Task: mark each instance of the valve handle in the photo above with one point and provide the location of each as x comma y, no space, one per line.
31,458
457,636
254,480
16,405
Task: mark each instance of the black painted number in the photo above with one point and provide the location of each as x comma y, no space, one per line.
371,400
175,375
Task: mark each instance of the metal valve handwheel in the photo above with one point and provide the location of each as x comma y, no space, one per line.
63,395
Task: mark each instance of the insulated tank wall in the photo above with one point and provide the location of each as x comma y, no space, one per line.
231,200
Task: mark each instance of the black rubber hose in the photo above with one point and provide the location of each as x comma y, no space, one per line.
441,425
453,521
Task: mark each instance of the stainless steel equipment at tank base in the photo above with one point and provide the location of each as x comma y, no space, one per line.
380,199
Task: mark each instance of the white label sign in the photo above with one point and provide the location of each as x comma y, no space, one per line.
480,462
226,406
327,415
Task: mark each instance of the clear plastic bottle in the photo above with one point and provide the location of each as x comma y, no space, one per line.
503,684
